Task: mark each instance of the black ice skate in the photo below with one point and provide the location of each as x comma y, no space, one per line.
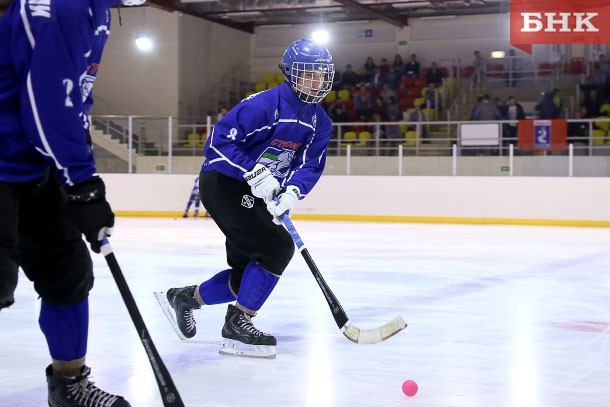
178,306
241,338
78,391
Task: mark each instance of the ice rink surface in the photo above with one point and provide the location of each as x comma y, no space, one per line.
498,316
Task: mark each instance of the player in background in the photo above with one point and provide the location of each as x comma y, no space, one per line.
50,53
271,143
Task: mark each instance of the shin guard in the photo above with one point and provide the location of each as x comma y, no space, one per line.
216,290
256,286
65,328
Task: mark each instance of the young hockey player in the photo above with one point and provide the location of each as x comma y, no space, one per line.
50,52
272,143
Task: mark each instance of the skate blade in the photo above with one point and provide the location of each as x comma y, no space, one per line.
169,312
235,348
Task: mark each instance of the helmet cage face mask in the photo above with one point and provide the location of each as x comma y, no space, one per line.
312,81
308,68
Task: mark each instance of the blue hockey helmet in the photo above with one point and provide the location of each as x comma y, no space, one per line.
309,68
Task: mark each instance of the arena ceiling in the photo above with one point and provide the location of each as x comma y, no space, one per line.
244,15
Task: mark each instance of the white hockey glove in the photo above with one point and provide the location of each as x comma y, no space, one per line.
287,202
263,183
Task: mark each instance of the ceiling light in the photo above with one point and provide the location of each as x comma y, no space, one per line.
144,42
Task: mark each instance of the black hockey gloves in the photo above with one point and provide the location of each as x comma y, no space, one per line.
90,211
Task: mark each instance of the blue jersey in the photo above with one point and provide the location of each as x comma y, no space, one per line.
50,52
276,129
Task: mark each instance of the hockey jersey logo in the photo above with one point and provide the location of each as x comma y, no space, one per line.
277,160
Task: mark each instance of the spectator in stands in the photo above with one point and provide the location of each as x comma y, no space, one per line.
349,77
368,69
398,65
412,67
363,107
473,110
512,110
392,107
499,103
512,68
593,103
480,68
588,85
487,111
392,133
604,65
221,113
598,77
361,95
432,97
434,76
416,117
379,79
578,132
546,108
384,66
387,92
337,111
379,107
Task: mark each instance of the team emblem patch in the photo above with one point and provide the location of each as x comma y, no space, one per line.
247,201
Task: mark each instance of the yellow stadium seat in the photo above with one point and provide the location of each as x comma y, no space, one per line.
364,137
279,77
419,101
331,97
191,140
598,136
260,86
269,77
343,95
204,137
410,138
349,137
429,114
605,109
272,85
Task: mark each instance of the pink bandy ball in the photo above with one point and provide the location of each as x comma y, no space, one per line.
409,388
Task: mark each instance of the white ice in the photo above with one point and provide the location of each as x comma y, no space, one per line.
498,316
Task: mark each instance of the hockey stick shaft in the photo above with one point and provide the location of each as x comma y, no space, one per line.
167,388
335,307
350,331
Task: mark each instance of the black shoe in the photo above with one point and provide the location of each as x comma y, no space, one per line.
238,326
183,303
78,391
241,338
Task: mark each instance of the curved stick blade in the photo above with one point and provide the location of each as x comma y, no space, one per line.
371,336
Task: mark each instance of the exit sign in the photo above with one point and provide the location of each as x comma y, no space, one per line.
160,167
505,168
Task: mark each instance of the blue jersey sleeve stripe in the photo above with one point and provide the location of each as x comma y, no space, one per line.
26,25
43,138
222,156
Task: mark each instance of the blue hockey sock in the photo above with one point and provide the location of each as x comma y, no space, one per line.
216,290
66,328
256,286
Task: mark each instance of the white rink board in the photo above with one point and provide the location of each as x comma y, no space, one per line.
480,197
